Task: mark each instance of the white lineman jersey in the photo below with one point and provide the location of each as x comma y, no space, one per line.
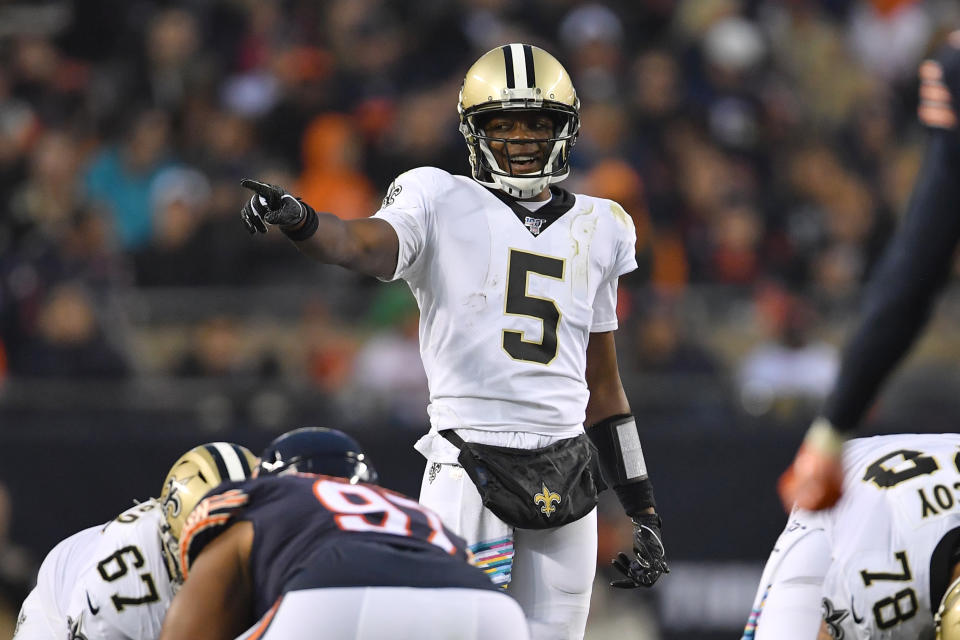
508,297
43,614
114,583
890,536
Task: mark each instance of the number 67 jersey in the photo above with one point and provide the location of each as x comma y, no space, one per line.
508,297
893,535
124,589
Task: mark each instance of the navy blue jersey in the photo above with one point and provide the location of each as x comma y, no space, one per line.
319,531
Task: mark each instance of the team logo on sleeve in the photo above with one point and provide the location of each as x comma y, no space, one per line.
534,224
20,620
75,626
832,617
392,192
546,498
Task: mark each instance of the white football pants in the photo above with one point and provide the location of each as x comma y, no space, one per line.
394,613
552,570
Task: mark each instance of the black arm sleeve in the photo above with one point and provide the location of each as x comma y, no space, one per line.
901,292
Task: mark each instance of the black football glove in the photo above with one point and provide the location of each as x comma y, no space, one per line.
270,204
648,563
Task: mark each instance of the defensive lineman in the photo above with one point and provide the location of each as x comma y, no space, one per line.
879,564
116,581
293,553
516,280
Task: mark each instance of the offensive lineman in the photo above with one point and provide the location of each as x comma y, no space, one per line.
879,563
115,581
312,547
915,268
516,280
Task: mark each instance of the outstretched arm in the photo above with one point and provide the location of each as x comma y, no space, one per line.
369,246
899,299
914,269
214,603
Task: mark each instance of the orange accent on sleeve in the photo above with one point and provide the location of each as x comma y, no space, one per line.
189,534
201,520
266,620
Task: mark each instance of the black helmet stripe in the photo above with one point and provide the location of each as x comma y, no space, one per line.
218,460
244,464
228,461
528,64
508,61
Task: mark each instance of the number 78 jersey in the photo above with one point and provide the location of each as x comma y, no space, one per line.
893,534
508,297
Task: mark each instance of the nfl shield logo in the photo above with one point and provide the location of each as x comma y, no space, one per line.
534,224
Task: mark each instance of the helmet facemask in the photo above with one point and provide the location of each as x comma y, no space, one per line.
556,148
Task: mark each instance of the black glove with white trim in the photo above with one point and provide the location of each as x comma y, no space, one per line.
648,562
270,204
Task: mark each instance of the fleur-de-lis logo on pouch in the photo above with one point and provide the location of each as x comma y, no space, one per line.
546,498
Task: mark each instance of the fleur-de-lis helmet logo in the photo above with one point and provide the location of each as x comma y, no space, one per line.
546,498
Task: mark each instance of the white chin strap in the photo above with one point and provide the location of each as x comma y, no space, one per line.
521,187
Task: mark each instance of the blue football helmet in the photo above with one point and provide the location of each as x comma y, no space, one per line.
317,450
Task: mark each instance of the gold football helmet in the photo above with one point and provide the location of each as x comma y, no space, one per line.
518,77
948,615
190,478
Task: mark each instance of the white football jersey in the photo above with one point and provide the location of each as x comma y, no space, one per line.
508,297
890,530
43,614
123,589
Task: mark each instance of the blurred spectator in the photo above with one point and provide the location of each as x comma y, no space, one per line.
177,254
388,373
219,349
49,195
662,346
120,177
174,62
890,36
736,234
790,373
70,340
331,178
750,141
668,373
330,348
592,36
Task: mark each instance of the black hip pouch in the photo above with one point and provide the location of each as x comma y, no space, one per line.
534,488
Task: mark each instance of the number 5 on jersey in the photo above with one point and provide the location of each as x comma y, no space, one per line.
519,302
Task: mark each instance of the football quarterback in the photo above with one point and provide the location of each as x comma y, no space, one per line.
516,281
879,564
312,543
115,581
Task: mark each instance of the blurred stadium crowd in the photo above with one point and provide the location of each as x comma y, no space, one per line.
765,149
